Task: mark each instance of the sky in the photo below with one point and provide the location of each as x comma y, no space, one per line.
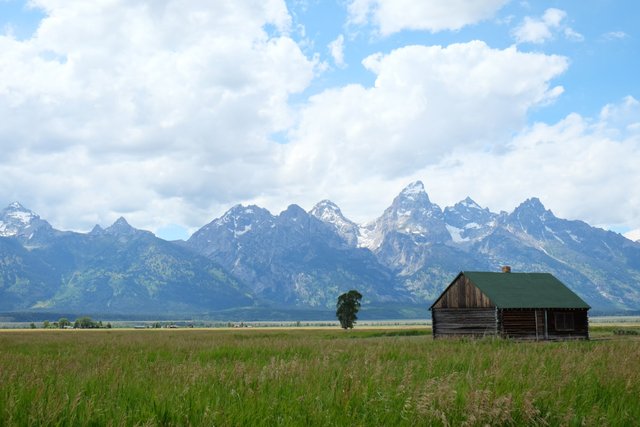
170,112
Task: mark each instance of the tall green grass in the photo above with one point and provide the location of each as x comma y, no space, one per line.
312,377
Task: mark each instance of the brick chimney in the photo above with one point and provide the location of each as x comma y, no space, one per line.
506,269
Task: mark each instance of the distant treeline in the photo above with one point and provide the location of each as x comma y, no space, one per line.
84,322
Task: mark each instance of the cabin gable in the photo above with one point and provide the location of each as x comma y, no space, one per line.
463,293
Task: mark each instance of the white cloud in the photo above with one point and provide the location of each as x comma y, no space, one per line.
533,30
553,17
392,16
622,119
163,112
615,35
572,35
336,48
129,107
580,168
427,102
633,235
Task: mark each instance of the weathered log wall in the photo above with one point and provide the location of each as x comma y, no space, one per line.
521,323
579,320
463,321
540,324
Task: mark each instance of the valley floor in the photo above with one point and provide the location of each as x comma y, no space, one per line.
307,376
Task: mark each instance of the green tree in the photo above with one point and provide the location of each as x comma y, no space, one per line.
63,322
85,323
32,326
46,324
347,308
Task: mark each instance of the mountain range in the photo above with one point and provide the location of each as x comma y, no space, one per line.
250,263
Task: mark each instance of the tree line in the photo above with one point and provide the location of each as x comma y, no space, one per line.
84,322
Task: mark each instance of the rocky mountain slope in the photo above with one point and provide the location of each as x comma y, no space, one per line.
426,246
114,270
294,259
249,259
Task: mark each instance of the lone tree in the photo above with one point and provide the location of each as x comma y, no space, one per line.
347,307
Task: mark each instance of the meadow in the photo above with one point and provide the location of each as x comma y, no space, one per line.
321,377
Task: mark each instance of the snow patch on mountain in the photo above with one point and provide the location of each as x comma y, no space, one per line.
456,234
246,229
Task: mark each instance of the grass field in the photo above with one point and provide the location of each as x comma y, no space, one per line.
313,377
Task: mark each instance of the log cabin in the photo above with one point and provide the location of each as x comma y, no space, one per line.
534,306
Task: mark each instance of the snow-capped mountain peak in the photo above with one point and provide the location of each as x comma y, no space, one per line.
470,204
329,213
16,220
237,212
532,206
468,221
239,222
411,214
17,206
19,213
326,209
241,219
413,189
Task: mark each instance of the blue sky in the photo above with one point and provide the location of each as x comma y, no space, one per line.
170,112
604,60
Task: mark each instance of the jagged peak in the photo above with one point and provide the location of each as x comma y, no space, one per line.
329,212
17,206
416,187
241,209
411,194
121,221
294,210
326,203
16,212
469,203
533,204
326,208
96,230
240,214
120,226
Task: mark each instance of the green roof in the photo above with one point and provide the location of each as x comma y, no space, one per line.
525,290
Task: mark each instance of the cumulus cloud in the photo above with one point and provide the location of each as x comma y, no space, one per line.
426,102
336,48
134,106
392,16
579,167
633,235
540,30
622,119
169,112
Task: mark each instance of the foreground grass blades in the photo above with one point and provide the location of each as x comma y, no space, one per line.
312,377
